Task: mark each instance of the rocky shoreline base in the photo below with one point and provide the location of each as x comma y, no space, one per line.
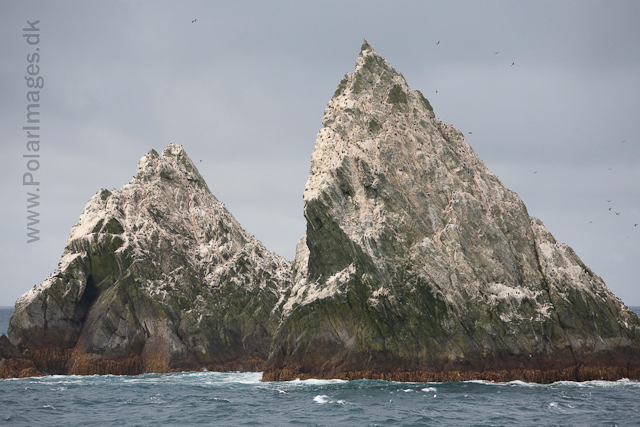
75,362
575,373
61,363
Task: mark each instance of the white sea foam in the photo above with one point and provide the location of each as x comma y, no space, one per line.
321,399
157,400
215,379
316,382
198,378
625,382
596,383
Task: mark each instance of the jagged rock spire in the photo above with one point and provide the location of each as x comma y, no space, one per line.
173,163
417,258
365,46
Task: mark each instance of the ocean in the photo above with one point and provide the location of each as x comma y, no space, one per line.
5,315
237,399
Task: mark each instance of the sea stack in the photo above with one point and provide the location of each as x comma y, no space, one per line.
418,264
155,277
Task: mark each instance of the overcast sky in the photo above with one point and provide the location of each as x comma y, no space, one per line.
244,88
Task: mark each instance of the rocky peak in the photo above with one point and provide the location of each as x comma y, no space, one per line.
380,136
417,258
159,269
172,164
368,94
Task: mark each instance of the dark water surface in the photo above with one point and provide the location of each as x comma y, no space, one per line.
229,399
5,315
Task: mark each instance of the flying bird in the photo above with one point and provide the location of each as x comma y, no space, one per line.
437,93
610,168
617,213
635,225
200,161
193,21
513,63
497,52
438,42
590,222
608,201
470,133
536,172
610,208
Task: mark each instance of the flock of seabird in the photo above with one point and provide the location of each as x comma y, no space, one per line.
610,200
513,64
470,133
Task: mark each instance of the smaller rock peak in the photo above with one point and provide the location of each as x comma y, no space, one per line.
174,149
371,62
147,163
366,46
171,164
367,50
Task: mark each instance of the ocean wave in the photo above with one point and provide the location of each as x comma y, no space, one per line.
321,399
215,379
317,382
192,378
625,382
595,383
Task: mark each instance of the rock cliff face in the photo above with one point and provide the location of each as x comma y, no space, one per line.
417,265
154,277
418,262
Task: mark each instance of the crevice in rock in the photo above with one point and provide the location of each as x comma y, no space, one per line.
89,296
547,288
